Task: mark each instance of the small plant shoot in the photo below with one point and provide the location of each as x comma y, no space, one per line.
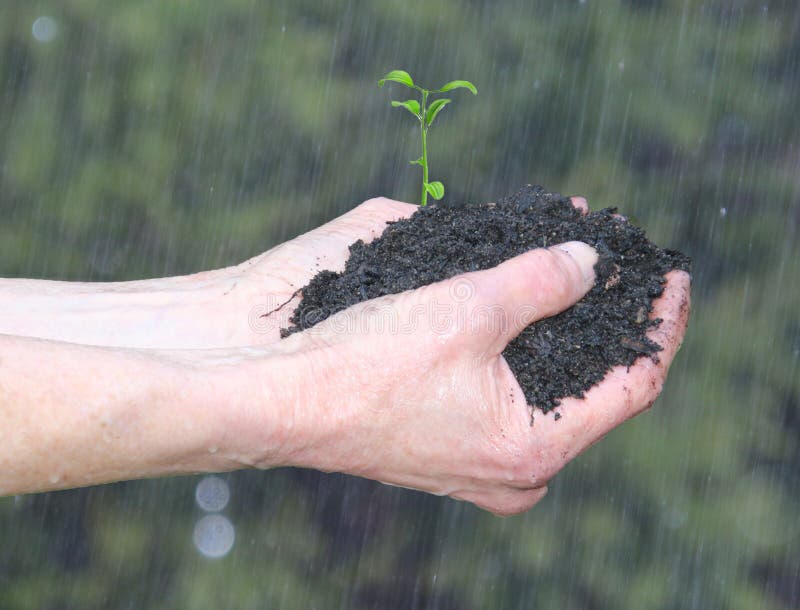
425,115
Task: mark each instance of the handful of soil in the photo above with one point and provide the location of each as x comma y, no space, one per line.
560,356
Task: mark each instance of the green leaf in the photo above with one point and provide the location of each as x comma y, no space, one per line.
411,105
459,84
435,189
398,76
434,109
416,161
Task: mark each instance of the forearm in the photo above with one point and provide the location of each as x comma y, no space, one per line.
188,311
74,415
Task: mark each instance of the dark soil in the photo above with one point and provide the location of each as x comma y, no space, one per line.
561,356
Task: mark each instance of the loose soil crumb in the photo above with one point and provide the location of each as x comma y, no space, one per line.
561,356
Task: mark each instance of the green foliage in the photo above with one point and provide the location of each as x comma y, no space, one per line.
398,76
425,114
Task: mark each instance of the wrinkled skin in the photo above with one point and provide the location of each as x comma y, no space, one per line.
273,279
108,382
441,411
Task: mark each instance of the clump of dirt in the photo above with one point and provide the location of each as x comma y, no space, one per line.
561,356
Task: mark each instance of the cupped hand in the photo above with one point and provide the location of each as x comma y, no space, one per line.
267,288
413,390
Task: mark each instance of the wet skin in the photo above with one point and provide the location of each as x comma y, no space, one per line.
106,382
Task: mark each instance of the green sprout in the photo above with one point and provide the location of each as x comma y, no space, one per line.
425,115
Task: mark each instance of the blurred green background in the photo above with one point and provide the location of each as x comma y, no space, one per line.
149,138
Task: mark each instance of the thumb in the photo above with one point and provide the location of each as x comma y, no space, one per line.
535,285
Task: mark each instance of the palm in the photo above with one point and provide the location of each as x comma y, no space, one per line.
274,279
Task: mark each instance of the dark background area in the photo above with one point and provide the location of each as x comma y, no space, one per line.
148,138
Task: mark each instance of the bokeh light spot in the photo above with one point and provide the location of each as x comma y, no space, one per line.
44,29
212,494
214,536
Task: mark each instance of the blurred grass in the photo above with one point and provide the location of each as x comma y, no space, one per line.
153,138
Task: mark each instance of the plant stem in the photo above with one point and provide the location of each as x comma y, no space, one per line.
424,128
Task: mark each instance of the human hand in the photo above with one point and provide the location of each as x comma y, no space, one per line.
391,393
266,288
269,285
245,304
442,414
209,309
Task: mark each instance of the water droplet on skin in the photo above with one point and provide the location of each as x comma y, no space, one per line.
55,478
213,449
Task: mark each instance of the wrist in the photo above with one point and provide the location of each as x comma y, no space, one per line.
258,401
334,387
292,403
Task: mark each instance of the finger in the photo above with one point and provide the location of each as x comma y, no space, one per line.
368,220
581,204
526,288
624,392
673,307
506,502
328,246
641,384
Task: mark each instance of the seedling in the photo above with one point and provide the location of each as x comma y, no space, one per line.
425,115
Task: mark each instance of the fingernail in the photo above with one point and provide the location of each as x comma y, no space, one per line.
584,255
